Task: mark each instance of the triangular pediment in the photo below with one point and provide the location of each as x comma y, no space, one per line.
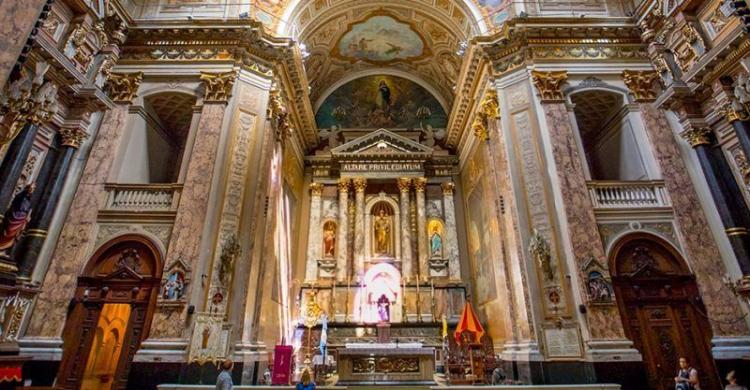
382,143
124,273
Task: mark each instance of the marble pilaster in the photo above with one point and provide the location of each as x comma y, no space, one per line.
407,261
451,237
314,236
342,239
583,233
701,250
78,233
419,186
359,237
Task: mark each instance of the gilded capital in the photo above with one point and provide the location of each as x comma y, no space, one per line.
344,185
479,128
420,183
218,86
316,189
640,84
404,184
489,107
73,137
697,136
734,115
448,187
123,87
360,184
549,85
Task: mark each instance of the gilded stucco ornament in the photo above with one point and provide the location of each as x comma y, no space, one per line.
640,84
541,252
549,85
73,136
230,251
122,87
697,136
278,112
316,189
26,100
218,86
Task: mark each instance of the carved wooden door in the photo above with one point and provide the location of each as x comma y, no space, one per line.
663,314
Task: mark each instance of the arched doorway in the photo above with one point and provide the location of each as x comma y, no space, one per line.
110,314
661,309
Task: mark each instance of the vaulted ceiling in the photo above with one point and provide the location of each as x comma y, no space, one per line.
416,39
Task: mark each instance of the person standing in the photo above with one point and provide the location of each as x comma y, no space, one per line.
224,381
687,377
732,379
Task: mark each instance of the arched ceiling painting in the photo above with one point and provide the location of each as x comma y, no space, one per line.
377,101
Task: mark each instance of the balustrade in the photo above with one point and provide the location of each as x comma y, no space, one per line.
142,197
628,194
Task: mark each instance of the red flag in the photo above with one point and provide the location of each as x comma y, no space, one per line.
470,322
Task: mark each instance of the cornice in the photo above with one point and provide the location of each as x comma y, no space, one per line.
243,43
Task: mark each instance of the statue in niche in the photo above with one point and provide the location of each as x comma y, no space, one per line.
329,240
384,309
382,229
435,229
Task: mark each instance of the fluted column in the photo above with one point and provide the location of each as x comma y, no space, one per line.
314,245
407,260
41,217
726,193
359,227
342,249
451,237
419,186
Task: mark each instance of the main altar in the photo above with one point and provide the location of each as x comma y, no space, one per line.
382,248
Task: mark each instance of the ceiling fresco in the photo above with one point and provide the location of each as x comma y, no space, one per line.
381,101
380,39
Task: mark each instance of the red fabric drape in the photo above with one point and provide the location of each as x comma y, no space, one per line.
10,373
470,322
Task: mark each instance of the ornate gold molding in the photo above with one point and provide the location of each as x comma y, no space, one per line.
280,116
448,187
26,100
549,85
489,107
697,136
360,184
218,86
123,87
73,136
640,84
316,189
479,128
344,185
404,184
420,183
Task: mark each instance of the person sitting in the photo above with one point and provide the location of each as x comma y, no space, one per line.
687,377
306,382
732,379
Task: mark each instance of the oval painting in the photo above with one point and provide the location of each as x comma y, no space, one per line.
380,38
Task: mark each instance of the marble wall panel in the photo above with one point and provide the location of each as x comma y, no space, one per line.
701,249
17,19
604,321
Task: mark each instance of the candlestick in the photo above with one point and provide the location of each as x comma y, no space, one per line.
419,309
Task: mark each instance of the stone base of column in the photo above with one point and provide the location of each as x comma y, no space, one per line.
527,351
726,348
619,350
163,351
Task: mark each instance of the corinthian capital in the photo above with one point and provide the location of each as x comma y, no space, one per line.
640,84
697,136
73,136
122,87
218,86
404,184
420,183
549,85
316,189
360,184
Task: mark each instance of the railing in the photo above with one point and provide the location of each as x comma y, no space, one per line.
143,197
628,194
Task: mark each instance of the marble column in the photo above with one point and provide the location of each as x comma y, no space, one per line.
41,217
407,260
314,243
725,191
740,121
13,163
451,237
419,186
17,20
187,230
342,239
360,184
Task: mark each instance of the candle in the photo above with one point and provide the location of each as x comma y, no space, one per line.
432,288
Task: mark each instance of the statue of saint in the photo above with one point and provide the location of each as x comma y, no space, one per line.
436,243
15,218
329,240
382,226
384,309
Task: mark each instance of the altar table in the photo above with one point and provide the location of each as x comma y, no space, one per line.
386,364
